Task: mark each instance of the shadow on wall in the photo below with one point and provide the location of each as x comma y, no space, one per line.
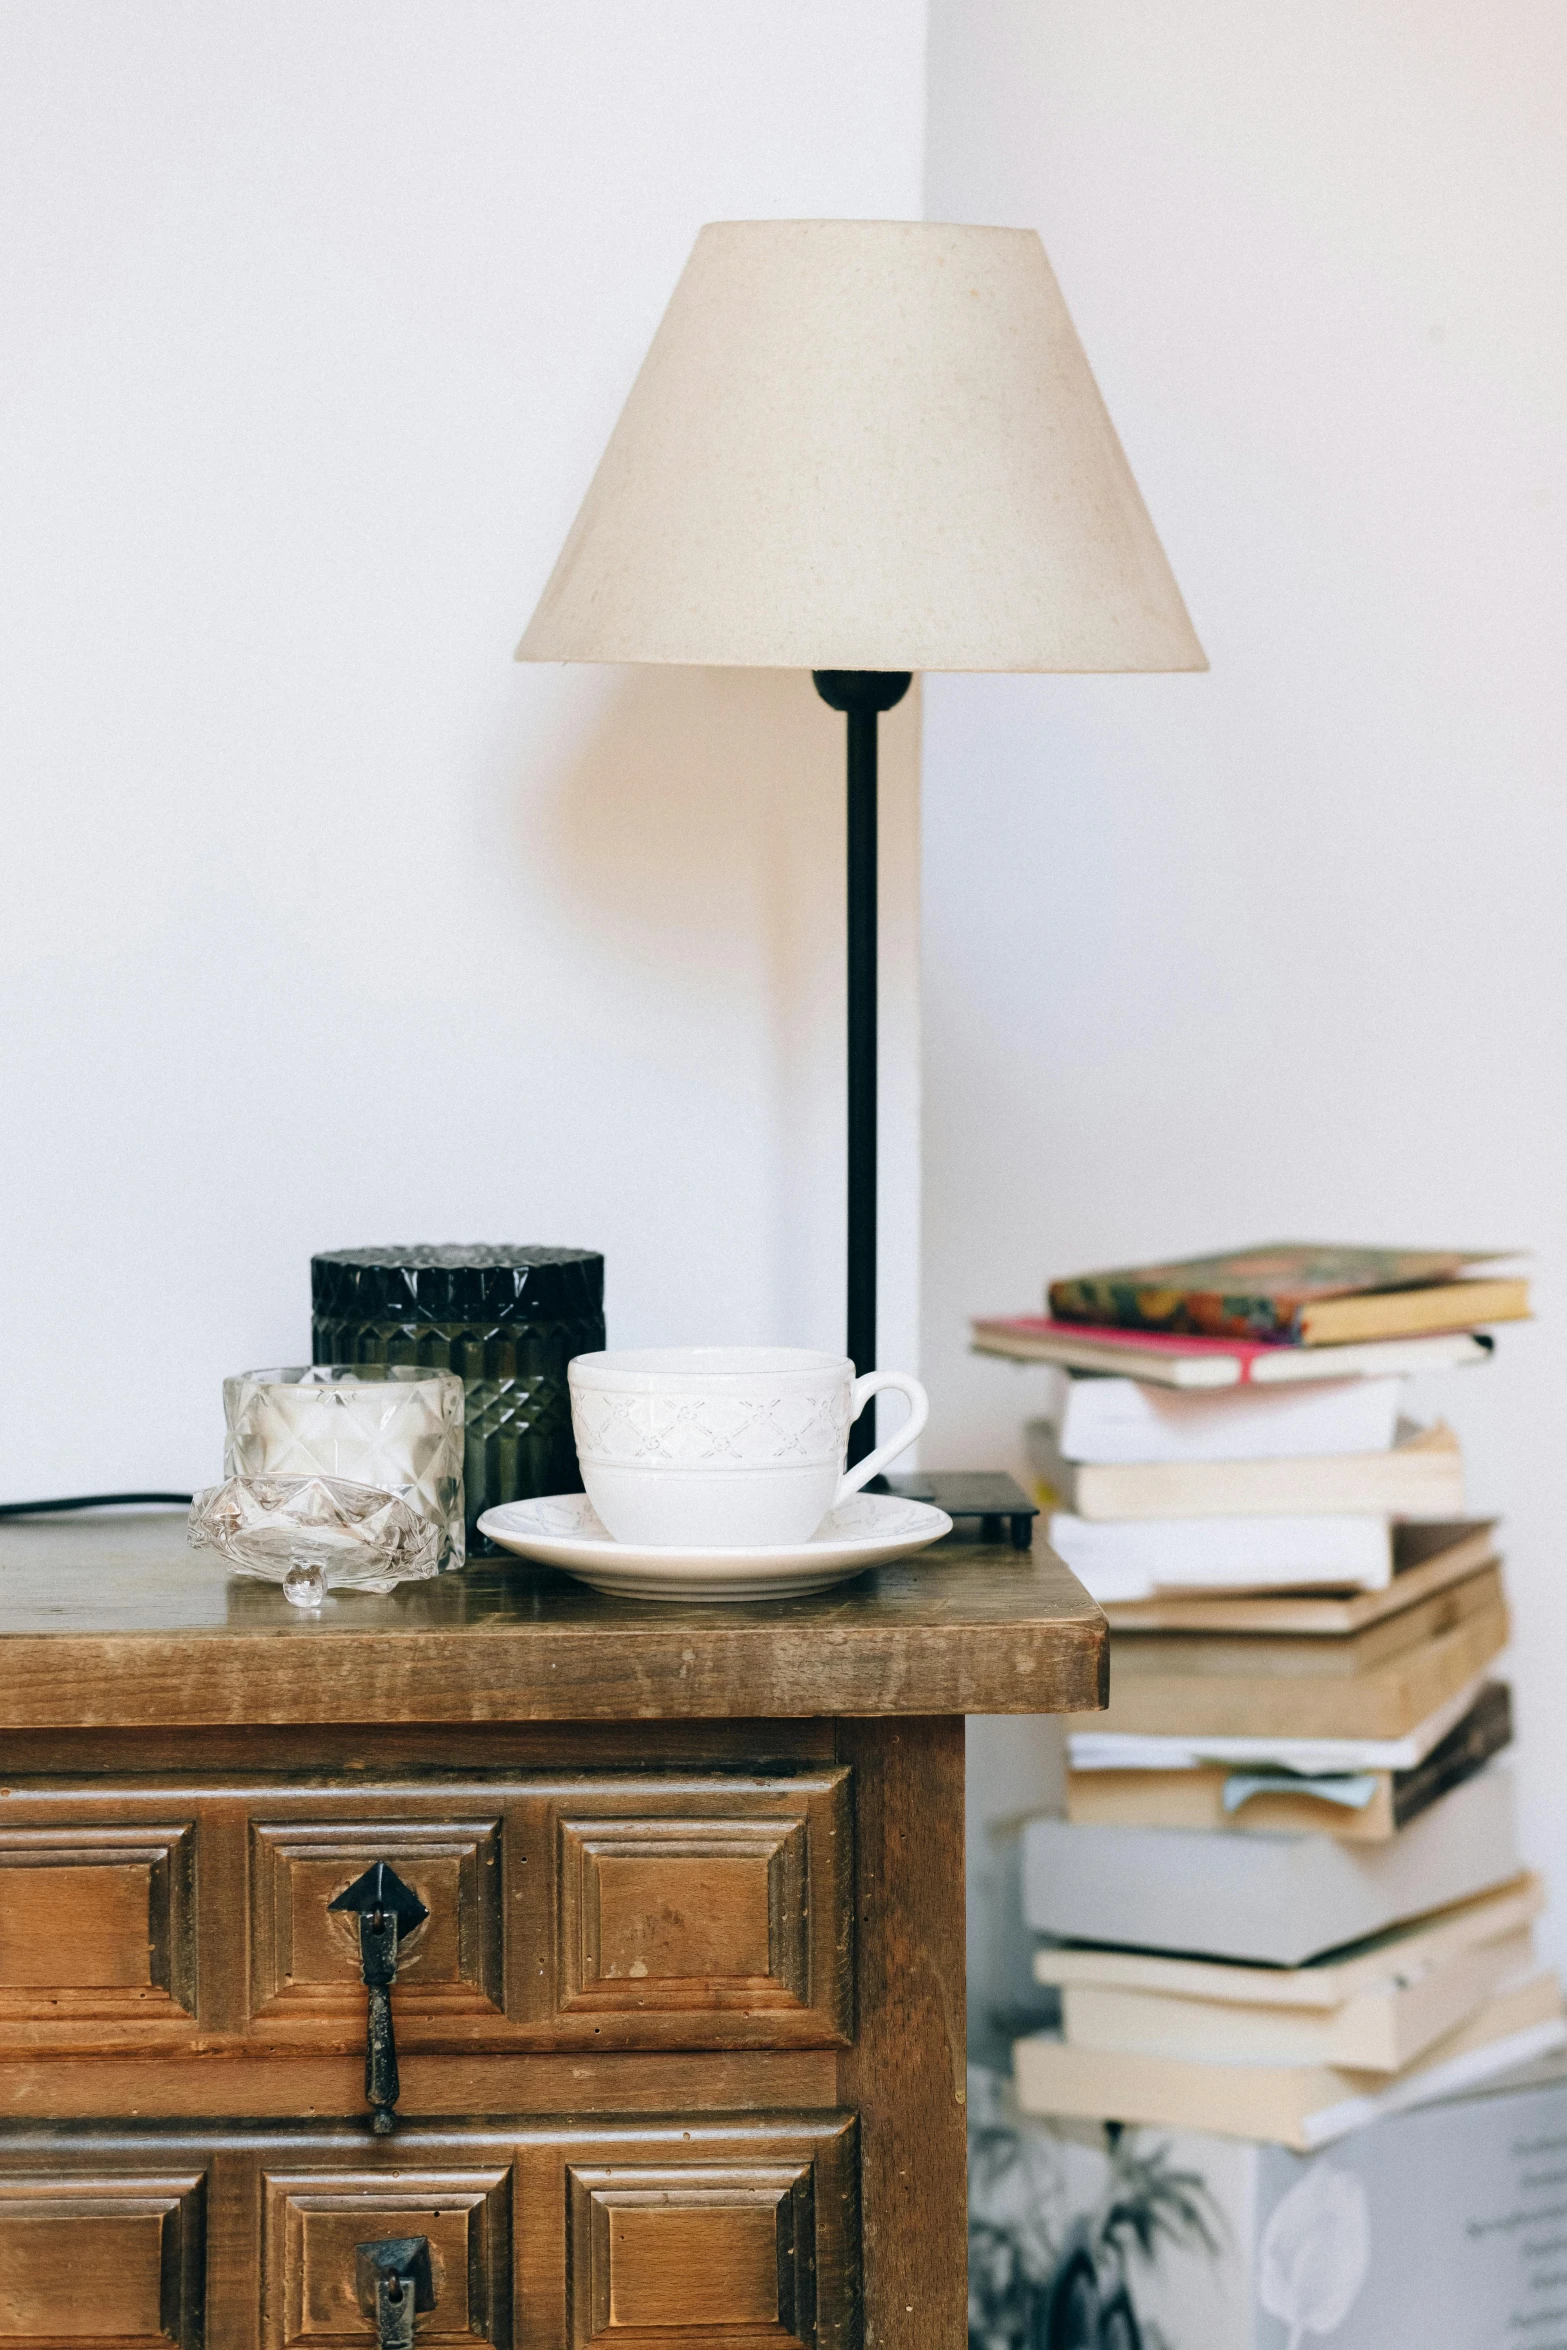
694,828
687,826
692,808
696,816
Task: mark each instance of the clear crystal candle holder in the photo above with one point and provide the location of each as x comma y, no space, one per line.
314,1535
394,1426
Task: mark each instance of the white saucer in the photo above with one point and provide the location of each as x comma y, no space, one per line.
563,1530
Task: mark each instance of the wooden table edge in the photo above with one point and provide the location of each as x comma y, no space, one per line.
210,1679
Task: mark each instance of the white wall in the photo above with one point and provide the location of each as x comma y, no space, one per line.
1279,950
320,922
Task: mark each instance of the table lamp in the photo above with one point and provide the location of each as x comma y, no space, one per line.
864,448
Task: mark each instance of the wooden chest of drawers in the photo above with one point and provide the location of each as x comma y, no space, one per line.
592,1910
679,2033
633,2233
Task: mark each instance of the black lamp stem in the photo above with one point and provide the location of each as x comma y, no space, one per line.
862,694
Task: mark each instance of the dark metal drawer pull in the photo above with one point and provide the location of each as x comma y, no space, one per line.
388,1910
395,2283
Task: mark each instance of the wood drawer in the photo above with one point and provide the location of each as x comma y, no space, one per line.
604,1910
590,2236
315,2214
101,2253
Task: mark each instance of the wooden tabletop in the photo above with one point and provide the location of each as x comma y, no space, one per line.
116,1622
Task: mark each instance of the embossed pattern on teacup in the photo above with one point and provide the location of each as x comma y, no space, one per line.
681,1431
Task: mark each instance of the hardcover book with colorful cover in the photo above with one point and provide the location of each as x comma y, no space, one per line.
1294,1292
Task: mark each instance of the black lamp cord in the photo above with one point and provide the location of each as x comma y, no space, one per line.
85,1501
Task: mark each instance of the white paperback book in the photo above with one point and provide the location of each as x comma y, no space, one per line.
1312,1758
1130,1558
1419,1477
1276,1899
1381,2032
1376,2006
1112,1421
1305,2106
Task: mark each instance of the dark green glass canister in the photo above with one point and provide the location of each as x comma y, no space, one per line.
507,1320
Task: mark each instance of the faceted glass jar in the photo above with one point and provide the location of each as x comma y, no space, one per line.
391,1425
507,1319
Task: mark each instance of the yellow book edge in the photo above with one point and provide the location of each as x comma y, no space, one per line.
1386,1702
1195,1799
1304,2106
1474,1547
1419,1476
1382,2030
1345,1657
1409,1313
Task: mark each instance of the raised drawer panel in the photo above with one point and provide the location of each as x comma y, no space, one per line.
312,2221
727,2249
305,1955
661,1912
96,1919
110,2260
648,2238
677,1902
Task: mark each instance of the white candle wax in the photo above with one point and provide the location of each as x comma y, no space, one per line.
402,1435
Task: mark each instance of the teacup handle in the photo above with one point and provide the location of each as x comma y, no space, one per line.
874,1462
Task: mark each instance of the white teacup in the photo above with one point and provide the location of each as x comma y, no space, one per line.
725,1447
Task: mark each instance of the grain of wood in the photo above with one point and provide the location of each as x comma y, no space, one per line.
535,2230
105,1630
234,2083
359,1753
906,2073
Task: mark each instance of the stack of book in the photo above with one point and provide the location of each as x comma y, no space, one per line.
1235,1422
1284,1986
1287,1894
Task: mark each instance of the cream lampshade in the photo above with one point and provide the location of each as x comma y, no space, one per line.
864,448
865,445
